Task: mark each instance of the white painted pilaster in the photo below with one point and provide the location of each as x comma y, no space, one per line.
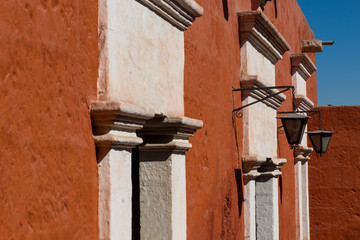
261,47
114,129
267,210
249,209
305,202
162,177
302,68
301,192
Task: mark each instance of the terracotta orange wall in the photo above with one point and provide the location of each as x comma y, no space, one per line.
334,179
212,68
48,74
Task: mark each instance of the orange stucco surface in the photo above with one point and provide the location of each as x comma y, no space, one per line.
334,182
48,72
213,165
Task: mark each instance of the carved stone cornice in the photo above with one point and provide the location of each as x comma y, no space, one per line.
254,81
302,64
257,29
115,124
250,164
272,167
303,103
168,134
180,13
255,166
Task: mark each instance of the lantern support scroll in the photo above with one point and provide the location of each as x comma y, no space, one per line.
294,122
238,112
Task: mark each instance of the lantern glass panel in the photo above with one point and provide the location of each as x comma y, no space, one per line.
294,126
316,141
320,140
325,142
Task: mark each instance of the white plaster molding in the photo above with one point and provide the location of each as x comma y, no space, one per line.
272,167
311,45
180,13
303,103
115,124
169,134
302,64
256,28
254,81
251,164
249,210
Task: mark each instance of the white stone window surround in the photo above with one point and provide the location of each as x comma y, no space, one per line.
143,51
301,69
261,47
141,64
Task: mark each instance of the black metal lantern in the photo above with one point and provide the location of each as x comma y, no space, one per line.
320,140
294,125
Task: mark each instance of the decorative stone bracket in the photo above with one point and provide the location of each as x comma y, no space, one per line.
180,13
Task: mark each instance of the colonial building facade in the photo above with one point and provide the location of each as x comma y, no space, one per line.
130,133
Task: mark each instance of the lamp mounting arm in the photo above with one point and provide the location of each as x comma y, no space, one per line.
238,112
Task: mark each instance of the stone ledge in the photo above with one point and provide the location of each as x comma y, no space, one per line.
168,134
250,164
180,13
101,110
115,124
303,103
302,64
256,28
255,166
254,81
272,167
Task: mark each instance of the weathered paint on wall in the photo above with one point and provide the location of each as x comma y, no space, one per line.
48,74
334,182
212,68
212,65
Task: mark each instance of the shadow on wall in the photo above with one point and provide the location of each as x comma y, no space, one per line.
238,179
225,9
136,194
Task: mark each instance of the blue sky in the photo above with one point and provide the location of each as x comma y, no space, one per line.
338,66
